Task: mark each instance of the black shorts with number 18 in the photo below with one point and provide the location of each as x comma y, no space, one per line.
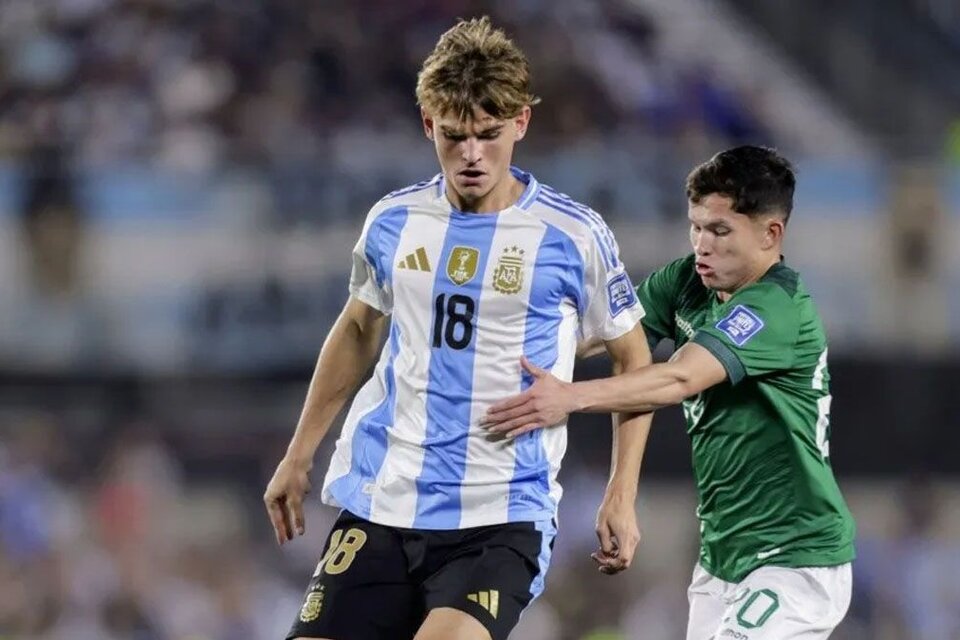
376,582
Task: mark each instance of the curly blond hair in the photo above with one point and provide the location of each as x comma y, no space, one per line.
475,65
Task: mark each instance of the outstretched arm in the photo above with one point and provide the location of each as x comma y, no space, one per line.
692,369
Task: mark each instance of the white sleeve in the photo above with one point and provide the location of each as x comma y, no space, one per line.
612,308
367,281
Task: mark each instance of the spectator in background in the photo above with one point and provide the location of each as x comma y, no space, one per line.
52,223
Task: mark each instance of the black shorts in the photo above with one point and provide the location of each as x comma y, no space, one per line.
378,583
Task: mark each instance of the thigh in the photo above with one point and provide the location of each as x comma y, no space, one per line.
363,569
781,603
446,623
493,574
707,604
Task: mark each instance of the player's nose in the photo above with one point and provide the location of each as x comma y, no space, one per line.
701,245
471,150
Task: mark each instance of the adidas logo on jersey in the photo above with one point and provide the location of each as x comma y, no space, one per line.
417,261
489,600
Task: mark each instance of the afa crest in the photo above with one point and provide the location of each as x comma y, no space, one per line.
312,606
508,275
462,264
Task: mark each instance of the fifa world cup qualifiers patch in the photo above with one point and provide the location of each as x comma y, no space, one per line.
740,325
620,293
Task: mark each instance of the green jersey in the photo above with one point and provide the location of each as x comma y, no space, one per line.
767,494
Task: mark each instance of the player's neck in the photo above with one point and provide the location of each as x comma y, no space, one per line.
503,196
756,274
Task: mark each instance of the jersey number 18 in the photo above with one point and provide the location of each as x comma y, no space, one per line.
453,320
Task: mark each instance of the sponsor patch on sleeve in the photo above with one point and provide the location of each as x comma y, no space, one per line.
740,325
620,293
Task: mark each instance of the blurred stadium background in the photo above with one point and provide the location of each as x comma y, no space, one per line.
180,184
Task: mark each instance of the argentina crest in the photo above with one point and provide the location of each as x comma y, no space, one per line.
462,264
312,606
508,275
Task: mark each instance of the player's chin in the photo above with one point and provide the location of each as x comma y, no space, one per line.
472,193
711,281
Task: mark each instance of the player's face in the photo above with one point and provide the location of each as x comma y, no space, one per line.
475,156
732,249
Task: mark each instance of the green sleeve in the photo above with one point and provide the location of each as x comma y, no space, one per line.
756,333
658,295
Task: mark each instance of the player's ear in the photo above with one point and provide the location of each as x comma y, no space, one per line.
427,120
773,233
522,121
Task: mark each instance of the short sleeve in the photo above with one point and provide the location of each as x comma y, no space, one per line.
756,333
658,294
612,308
367,280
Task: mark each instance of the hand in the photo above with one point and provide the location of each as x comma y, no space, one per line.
618,533
545,403
284,499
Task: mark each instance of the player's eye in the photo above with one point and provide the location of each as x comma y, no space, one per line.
454,137
489,135
722,231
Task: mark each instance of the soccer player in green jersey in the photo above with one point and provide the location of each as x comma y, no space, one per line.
750,368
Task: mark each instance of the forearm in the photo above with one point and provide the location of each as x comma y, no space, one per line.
630,432
640,391
347,353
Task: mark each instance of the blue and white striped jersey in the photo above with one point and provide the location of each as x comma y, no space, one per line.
469,293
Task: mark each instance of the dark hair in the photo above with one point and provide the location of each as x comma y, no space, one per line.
758,180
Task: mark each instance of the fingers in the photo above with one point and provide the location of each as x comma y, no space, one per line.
510,426
605,536
606,565
628,546
294,512
618,544
278,519
516,433
611,556
497,417
509,403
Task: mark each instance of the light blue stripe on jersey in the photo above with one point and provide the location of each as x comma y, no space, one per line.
450,381
558,260
383,238
369,446
601,232
548,531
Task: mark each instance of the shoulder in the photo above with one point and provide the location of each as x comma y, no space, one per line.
425,190
585,227
777,289
397,203
772,300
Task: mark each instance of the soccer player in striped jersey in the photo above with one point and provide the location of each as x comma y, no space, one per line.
445,531
750,367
